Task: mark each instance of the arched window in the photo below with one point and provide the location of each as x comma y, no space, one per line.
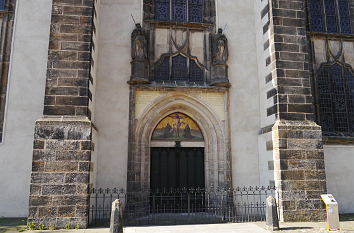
183,69
335,84
179,11
330,16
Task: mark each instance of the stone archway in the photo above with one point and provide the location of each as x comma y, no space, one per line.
215,132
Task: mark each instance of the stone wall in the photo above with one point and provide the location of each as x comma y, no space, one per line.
297,140
60,172
61,165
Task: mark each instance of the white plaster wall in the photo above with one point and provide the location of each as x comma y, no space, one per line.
112,90
244,94
265,156
339,161
24,103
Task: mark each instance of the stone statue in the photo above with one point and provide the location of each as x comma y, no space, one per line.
220,48
139,43
139,53
220,54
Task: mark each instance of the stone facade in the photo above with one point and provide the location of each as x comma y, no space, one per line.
61,172
60,179
297,139
252,95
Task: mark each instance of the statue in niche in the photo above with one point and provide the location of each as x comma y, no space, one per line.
139,43
220,48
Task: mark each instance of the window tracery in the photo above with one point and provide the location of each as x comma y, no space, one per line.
179,11
330,16
335,84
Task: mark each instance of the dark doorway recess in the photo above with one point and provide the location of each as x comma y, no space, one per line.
177,168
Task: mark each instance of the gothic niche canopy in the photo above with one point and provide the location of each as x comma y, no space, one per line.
177,127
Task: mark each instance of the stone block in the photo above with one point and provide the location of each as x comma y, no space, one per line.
272,221
116,225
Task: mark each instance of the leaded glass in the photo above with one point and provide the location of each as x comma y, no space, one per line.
179,10
331,17
339,102
196,74
162,72
344,14
350,87
162,10
316,15
2,5
195,11
325,102
336,100
179,68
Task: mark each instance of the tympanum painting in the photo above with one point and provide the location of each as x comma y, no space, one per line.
177,127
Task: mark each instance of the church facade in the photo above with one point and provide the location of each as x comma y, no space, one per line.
130,93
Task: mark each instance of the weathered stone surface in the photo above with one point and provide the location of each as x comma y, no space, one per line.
272,221
299,170
61,171
116,225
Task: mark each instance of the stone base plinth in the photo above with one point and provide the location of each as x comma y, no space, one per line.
299,170
61,172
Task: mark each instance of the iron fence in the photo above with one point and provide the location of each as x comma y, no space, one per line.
181,206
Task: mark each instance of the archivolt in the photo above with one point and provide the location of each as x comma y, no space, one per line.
217,157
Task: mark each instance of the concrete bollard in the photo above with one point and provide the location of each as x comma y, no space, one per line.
116,217
272,214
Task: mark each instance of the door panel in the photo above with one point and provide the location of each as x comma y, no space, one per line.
177,168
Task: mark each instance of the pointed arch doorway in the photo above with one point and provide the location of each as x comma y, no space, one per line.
177,154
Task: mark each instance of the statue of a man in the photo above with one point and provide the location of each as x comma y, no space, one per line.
139,43
220,48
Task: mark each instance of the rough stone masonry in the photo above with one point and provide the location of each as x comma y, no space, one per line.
61,165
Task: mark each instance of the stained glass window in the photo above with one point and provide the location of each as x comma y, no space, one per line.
179,10
336,100
162,71
195,11
316,16
196,74
331,16
179,68
2,5
344,12
162,10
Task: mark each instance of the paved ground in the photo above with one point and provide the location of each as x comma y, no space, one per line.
312,227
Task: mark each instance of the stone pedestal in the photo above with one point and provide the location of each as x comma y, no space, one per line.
61,172
272,220
219,76
299,170
116,217
140,72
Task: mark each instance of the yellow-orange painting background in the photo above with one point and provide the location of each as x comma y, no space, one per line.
171,121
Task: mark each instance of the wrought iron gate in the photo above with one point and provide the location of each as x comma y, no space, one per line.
181,206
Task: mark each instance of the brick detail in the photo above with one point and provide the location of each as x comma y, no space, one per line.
61,168
299,170
69,58
6,31
290,61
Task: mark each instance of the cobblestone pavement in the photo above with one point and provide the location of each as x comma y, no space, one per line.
312,227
